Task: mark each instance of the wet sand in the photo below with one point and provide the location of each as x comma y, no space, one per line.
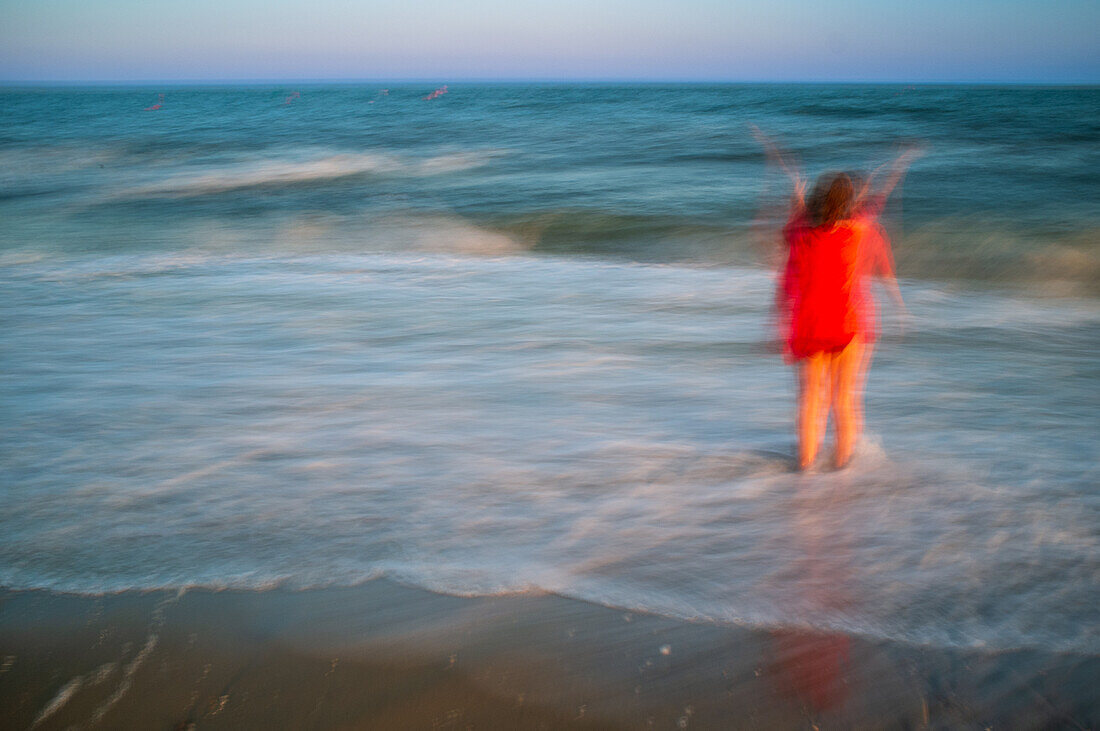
386,656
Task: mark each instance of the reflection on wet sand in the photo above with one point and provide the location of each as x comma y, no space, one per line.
813,666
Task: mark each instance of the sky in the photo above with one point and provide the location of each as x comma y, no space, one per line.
1000,41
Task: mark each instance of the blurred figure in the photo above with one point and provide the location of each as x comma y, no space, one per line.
826,314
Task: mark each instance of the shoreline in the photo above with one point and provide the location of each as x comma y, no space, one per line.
382,655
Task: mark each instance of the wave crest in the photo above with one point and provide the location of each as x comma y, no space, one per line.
271,172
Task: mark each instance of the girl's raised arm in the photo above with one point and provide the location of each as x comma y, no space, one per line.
798,195
875,200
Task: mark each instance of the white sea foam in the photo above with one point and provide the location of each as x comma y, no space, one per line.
482,426
300,167
59,700
282,245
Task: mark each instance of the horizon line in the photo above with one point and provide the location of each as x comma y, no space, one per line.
532,80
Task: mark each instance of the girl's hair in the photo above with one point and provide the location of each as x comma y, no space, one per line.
832,199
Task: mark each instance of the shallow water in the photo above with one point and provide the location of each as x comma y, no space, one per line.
243,363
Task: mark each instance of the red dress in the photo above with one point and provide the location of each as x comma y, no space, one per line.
824,298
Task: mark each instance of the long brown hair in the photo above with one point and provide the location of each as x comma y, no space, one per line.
832,199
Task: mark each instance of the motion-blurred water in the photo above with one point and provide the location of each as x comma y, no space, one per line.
516,338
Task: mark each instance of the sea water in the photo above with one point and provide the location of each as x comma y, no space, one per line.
516,338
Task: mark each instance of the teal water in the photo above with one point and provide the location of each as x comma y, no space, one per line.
1007,190
515,338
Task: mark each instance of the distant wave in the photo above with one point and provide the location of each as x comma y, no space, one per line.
1066,263
639,236
959,249
970,248
289,171
435,233
949,249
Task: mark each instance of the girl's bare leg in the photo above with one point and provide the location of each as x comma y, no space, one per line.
868,349
846,375
813,399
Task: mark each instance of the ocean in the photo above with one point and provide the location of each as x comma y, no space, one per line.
516,338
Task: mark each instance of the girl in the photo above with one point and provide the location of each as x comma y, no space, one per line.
826,311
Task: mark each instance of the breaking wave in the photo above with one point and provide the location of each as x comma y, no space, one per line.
299,169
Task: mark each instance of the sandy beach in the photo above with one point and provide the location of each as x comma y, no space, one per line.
385,656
